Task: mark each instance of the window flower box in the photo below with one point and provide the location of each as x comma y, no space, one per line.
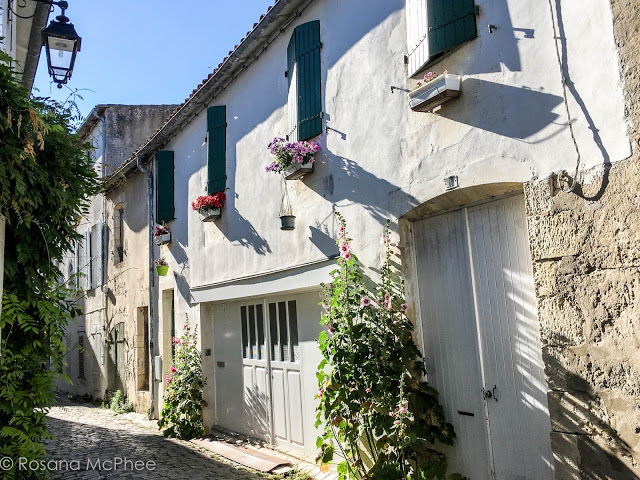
293,159
209,206
210,215
297,170
434,92
163,239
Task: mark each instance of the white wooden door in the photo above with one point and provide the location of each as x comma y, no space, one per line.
255,371
286,381
271,373
481,338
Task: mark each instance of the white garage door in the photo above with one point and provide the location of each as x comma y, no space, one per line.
271,374
481,340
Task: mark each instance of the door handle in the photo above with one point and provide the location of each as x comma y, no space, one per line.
495,397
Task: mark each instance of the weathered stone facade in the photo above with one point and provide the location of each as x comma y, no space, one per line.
586,253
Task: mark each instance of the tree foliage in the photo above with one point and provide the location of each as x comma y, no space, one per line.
46,178
375,407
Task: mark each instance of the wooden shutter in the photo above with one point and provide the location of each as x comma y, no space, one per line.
86,259
292,98
99,281
451,22
417,43
164,186
307,46
216,149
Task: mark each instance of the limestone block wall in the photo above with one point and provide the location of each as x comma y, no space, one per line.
586,253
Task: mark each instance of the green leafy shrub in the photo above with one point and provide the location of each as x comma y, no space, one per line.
374,405
181,414
46,177
120,404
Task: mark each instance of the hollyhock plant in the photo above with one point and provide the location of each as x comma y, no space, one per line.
205,203
370,381
181,414
287,153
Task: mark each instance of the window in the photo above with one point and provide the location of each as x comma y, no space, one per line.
216,149
436,26
164,186
81,355
118,240
304,76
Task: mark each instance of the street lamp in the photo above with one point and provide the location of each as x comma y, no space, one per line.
62,43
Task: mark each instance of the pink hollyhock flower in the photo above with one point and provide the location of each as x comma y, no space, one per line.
346,256
368,390
404,307
331,330
397,422
365,302
395,322
173,369
168,380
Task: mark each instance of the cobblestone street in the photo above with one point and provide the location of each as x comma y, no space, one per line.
91,438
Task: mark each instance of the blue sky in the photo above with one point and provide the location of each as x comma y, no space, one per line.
148,51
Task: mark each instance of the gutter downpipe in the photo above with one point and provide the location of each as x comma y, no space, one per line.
152,380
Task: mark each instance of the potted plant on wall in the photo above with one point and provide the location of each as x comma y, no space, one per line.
161,235
209,206
162,267
292,159
287,219
433,91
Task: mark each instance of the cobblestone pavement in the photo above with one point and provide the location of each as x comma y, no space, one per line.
93,440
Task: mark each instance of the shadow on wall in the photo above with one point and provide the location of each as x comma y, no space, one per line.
523,112
243,232
578,454
350,184
574,93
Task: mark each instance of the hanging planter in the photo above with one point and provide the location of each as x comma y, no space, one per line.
436,90
293,159
162,267
288,222
209,206
161,235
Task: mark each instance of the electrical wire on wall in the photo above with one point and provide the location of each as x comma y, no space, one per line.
563,174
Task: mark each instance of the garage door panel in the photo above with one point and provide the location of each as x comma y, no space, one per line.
279,404
295,406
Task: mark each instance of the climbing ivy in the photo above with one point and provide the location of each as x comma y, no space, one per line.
374,406
46,178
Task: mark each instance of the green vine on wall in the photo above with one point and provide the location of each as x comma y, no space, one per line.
375,408
46,178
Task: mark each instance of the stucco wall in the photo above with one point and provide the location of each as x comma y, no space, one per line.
128,281
586,253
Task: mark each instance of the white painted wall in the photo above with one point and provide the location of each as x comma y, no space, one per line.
380,159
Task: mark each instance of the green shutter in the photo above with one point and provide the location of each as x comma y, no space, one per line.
307,50
164,186
217,149
451,22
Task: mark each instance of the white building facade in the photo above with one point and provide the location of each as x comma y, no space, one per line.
530,106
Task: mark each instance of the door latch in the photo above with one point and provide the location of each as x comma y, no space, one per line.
487,394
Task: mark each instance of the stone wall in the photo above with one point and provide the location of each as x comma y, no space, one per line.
586,253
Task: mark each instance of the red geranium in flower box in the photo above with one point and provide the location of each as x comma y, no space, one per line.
209,206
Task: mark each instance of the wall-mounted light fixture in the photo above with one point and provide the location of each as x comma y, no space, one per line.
62,43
